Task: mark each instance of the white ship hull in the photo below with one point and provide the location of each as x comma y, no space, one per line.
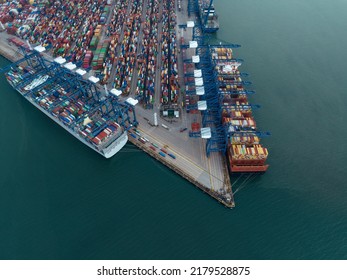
107,152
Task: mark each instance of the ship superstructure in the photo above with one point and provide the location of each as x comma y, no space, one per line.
206,12
208,16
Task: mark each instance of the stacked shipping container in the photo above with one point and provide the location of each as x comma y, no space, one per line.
147,62
128,50
169,73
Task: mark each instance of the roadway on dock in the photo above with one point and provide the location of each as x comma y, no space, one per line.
190,152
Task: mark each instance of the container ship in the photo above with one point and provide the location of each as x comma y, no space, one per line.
244,151
78,114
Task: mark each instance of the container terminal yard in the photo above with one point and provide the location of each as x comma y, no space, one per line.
142,70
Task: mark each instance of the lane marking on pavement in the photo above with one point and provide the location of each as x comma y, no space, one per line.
188,160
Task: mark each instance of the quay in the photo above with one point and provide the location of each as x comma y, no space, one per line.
188,169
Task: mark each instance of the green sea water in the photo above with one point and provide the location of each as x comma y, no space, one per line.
61,200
